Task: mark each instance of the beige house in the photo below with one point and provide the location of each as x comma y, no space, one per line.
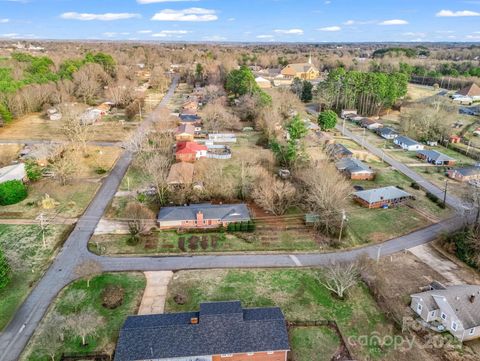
455,308
305,71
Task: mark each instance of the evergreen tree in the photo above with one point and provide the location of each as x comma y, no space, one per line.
306,95
327,119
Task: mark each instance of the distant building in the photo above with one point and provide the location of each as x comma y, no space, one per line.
382,197
219,331
355,169
455,139
468,95
346,113
190,151
456,308
437,158
338,151
202,216
190,119
408,144
305,71
387,133
263,83
185,133
370,124
465,174
13,172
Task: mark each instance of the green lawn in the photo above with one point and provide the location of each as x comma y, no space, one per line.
77,298
167,242
28,259
313,343
297,292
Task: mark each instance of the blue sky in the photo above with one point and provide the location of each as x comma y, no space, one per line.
243,20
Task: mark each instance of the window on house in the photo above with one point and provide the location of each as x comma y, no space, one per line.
443,316
250,354
419,308
270,353
472,331
226,355
433,313
454,326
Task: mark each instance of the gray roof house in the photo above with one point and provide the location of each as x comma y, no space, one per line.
355,168
465,174
338,151
456,308
407,143
205,215
435,157
218,330
387,133
382,197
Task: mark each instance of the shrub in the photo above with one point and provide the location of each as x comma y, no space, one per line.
327,119
112,296
251,226
432,197
12,192
193,243
204,242
415,185
4,270
33,170
181,244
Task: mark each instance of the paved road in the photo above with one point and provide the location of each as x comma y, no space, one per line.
74,252
62,271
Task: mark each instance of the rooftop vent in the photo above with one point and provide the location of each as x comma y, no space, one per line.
471,298
194,320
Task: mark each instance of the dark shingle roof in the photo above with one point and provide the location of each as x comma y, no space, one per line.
382,194
401,139
353,165
435,156
223,328
386,131
226,212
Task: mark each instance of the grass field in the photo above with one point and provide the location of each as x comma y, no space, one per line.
313,343
299,295
28,259
77,298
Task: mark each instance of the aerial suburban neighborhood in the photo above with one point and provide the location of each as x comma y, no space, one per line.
201,180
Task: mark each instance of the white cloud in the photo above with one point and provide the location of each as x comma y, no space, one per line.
4,21
394,22
101,17
444,31
166,33
109,34
330,28
289,31
412,34
231,19
190,14
264,36
214,38
9,35
460,13
358,22
163,1
473,37
144,31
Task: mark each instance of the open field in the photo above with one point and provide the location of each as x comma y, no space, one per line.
36,127
23,247
76,299
300,297
313,343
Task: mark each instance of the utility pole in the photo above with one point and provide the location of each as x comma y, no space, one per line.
445,193
43,224
344,217
378,253
343,126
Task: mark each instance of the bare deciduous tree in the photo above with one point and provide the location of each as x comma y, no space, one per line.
139,218
339,278
216,117
157,167
50,340
272,193
85,323
78,132
63,163
88,269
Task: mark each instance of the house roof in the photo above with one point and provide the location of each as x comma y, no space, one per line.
185,128
387,131
301,67
468,171
458,297
381,194
338,149
472,90
401,139
189,118
12,172
353,165
189,147
224,212
435,156
223,328
181,173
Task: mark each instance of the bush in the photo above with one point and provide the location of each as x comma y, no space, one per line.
181,244
193,243
432,197
204,242
12,192
33,170
4,270
112,296
415,185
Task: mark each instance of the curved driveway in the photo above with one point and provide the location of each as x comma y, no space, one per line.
16,335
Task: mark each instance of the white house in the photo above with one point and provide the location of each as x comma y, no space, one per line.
456,308
13,172
408,144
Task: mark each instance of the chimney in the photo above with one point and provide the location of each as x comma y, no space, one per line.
194,320
199,218
472,298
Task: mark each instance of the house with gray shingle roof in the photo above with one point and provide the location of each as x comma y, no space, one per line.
219,330
465,174
435,157
456,308
382,197
355,169
205,215
407,143
338,151
387,133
